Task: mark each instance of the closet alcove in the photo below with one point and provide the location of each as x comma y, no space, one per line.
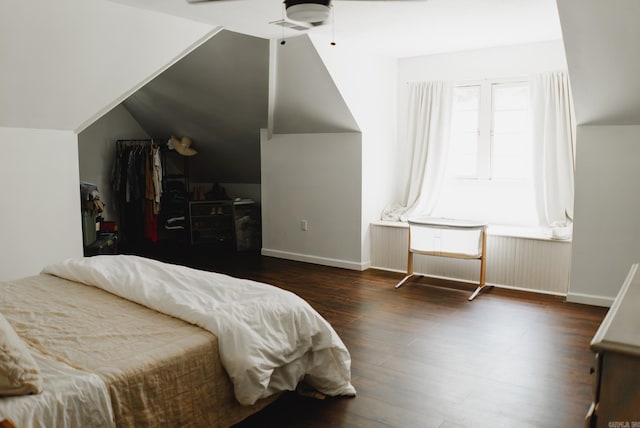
218,96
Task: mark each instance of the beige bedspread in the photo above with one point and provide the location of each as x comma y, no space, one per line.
160,371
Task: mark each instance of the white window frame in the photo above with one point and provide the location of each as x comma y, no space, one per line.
486,123
483,182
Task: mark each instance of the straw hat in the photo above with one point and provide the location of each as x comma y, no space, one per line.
182,146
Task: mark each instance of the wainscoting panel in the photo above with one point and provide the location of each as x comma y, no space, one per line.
513,262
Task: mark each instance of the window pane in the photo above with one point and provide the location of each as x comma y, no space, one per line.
510,97
464,121
466,98
463,155
463,148
510,121
511,156
490,156
511,151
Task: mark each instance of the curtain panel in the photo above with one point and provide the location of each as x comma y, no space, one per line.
428,133
553,126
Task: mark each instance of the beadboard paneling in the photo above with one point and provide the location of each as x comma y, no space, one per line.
525,263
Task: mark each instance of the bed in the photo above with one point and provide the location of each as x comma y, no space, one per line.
127,341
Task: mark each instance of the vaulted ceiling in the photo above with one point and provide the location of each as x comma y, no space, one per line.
218,94
397,28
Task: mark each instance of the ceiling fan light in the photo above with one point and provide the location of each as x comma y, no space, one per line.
308,12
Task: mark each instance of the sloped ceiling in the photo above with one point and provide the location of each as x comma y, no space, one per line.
601,41
307,99
218,96
65,63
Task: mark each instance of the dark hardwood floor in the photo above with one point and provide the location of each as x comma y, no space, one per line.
423,356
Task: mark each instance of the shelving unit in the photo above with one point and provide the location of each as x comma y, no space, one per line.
174,215
225,223
211,222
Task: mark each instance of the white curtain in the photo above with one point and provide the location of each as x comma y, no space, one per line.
428,133
553,131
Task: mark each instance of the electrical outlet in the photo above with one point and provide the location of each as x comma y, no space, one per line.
303,225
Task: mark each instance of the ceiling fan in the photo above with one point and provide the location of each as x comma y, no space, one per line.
310,12
315,12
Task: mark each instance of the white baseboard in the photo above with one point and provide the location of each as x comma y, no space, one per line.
590,299
345,264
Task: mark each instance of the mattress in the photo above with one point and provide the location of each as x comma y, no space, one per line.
158,370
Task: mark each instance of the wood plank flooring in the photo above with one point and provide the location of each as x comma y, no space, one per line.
423,356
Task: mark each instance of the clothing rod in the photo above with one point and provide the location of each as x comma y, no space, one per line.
121,144
142,140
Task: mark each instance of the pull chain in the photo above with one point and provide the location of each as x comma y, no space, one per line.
333,26
283,13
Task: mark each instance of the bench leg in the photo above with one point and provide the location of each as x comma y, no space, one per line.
475,293
481,285
398,285
409,269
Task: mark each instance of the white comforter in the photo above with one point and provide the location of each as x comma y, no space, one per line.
269,338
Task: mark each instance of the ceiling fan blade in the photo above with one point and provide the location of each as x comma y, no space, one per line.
388,1
209,1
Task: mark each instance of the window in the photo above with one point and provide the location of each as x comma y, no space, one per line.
511,152
489,168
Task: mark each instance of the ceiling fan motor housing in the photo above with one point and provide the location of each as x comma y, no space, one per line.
311,11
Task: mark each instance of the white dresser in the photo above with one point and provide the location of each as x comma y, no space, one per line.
616,387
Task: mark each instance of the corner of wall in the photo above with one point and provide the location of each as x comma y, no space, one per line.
41,223
590,299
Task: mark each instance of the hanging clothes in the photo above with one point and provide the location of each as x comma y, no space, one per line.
152,204
157,177
137,188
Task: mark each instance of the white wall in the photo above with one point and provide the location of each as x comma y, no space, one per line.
311,165
601,39
40,216
313,177
65,63
503,62
367,83
602,54
607,211
97,149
